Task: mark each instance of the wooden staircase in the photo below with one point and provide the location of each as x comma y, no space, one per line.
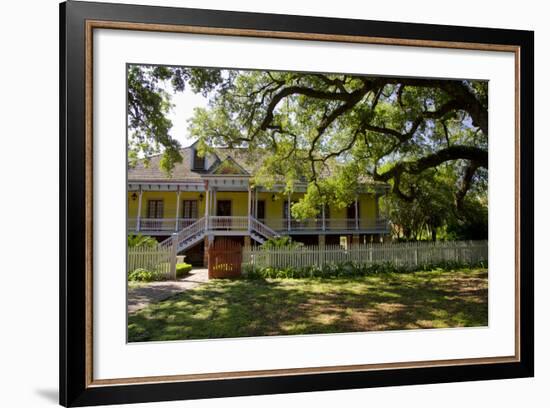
260,232
195,233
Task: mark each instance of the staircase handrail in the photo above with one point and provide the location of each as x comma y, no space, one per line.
193,229
262,229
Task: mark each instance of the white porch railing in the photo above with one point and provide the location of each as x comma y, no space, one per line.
159,224
185,222
241,223
223,223
329,224
195,230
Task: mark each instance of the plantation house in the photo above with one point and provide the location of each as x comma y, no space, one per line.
212,197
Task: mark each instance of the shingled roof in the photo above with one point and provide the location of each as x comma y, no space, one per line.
245,161
183,171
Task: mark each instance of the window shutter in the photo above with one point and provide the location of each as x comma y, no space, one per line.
190,209
155,209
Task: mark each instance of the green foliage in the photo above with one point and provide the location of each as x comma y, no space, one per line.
337,190
149,101
284,241
142,275
429,209
182,269
141,241
472,225
431,213
349,269
148,105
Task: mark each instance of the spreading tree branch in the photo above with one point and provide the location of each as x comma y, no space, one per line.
471,153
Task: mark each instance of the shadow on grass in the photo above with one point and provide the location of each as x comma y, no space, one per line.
247,308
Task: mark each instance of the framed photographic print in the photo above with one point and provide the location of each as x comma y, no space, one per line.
255,203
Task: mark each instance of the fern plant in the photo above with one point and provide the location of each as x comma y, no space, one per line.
141,241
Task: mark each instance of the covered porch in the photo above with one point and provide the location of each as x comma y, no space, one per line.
229,204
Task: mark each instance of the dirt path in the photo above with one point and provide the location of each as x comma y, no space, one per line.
141,296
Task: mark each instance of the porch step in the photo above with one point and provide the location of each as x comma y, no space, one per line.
256,237
195,233
190,241
261,232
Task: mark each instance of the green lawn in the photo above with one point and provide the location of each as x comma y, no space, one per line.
243,308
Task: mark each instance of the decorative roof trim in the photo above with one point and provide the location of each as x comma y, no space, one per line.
232,161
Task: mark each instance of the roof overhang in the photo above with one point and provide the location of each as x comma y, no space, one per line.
146,185
228,182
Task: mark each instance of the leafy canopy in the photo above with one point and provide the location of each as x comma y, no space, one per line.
149,101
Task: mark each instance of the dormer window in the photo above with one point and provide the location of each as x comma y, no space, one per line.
198,162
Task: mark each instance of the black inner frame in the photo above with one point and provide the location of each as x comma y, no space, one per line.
73,391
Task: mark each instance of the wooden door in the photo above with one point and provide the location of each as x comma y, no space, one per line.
260,210
350,215
223,208
224,259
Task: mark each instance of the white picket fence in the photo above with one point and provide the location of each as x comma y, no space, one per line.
156,259
402,254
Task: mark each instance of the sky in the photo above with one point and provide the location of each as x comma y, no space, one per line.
184,103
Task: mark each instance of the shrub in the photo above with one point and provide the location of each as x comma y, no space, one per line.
142,275
141,241
182,269
281,242
348,269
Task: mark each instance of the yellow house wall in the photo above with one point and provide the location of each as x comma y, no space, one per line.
335,212
132,205
273,208
239,202
169,198
367,206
